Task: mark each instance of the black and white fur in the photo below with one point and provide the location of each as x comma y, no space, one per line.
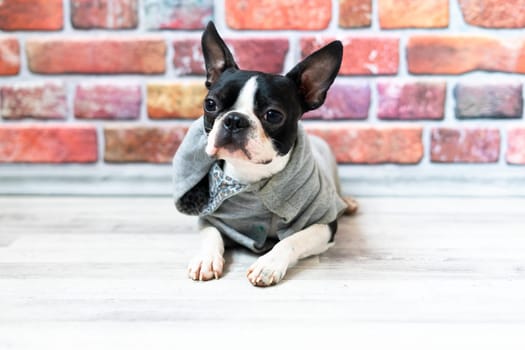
251,120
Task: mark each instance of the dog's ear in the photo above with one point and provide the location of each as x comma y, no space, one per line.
315,74
217,56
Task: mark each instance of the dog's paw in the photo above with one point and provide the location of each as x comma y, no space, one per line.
206,266
351,206
268,270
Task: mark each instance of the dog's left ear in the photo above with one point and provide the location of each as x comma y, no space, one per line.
315,74
217,56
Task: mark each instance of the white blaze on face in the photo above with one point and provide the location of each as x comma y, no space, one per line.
258,148
246,98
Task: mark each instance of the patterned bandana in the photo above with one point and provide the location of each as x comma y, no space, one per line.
221,187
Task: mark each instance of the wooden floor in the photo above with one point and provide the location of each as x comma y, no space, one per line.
97,273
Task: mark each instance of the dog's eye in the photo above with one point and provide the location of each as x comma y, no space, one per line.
210,105
273,116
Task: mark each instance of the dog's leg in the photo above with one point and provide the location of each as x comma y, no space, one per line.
270,268
209,262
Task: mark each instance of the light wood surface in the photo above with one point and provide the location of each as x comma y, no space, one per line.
85,273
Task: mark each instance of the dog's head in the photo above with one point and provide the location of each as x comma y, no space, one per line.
252,116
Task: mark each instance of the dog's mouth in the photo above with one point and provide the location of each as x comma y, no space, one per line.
227,151
231,151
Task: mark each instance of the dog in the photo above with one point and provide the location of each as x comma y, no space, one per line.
249,171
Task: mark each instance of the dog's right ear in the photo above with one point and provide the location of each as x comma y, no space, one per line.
217,56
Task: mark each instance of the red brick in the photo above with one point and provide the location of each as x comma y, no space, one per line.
187,14
273,50
31,15
41,100
278,15
411,100
362,55
344,101
188,57
494,13
9,56
35,143
394,14
142,143
175,100
370,145
488,100
355,13
459,145
516,146
110,14
96,55
108,101
439,54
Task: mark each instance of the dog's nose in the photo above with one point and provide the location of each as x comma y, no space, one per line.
235,122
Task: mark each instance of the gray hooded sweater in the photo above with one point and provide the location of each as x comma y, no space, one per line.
304,193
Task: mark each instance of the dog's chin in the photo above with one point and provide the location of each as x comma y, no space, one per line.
238,156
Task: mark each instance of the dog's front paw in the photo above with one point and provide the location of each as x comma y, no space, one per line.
206,266
268,270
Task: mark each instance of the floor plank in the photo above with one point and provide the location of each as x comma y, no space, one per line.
75,264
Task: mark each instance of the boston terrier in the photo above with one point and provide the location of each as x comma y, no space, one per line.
249,171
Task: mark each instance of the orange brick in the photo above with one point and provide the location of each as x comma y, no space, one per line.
355,13
413,14
9,56
361,55
175,100
35,143
278,15
440,54
31,15
94,55
494,13
372,145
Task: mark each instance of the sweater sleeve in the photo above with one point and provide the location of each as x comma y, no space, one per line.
190,168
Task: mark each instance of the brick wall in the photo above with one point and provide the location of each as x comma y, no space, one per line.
99,89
